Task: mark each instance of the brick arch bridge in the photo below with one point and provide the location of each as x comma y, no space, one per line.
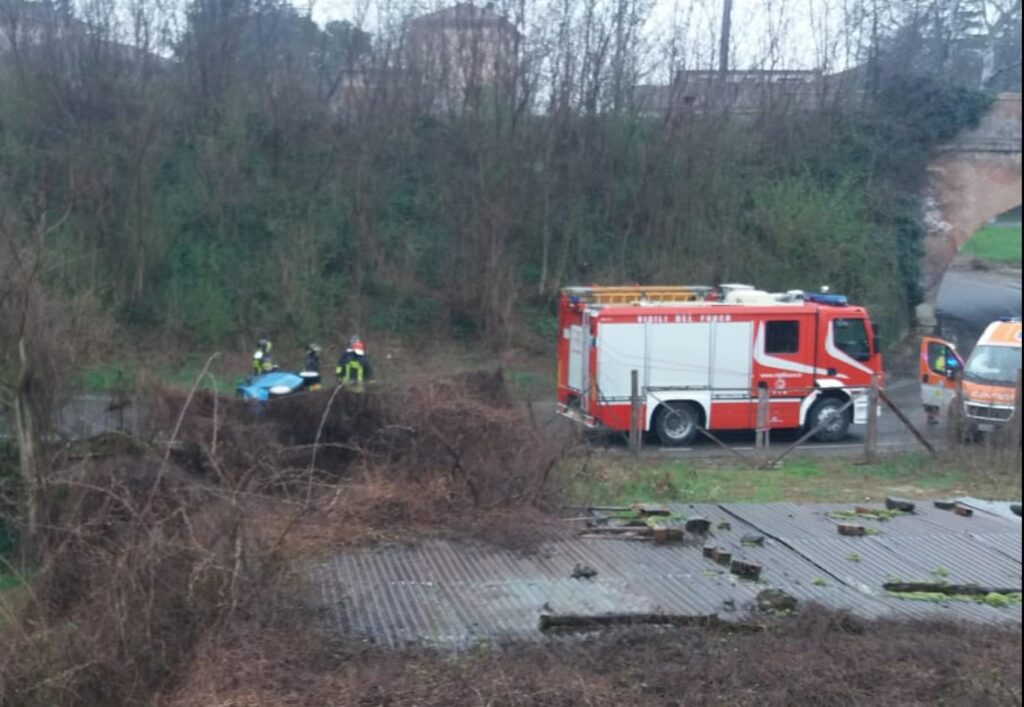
973,179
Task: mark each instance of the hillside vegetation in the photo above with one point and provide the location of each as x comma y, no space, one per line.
221,187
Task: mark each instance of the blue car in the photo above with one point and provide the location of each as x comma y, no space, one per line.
275,384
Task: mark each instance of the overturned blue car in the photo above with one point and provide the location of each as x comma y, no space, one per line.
276,384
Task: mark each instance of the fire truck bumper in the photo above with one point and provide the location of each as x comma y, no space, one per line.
577,415
861,403
860,409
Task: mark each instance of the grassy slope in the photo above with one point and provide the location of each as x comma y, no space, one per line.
996,242
622,480
530,375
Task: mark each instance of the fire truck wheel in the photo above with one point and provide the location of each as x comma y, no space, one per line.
677,424
836,423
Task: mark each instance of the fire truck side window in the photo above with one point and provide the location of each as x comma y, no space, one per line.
782,337
851,337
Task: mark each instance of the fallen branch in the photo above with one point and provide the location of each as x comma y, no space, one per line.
578,621
939,588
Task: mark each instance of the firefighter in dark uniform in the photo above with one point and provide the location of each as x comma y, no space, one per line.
353,367
311,367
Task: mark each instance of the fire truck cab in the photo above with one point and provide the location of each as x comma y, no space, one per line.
703,355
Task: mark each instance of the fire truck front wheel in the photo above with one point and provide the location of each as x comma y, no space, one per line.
676,424
833,422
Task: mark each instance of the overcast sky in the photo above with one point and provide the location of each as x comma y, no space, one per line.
807,28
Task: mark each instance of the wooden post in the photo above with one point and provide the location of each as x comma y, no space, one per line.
1015,438
761,438
955,413
634,412
806,436
907,423
871,438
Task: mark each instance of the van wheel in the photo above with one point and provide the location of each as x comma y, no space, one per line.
835,423
676,424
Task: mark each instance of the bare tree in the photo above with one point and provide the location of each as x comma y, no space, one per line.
45,335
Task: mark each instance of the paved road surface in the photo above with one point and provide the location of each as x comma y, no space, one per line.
969,300
892,435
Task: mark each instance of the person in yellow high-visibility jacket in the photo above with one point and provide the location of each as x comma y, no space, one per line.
262,361
353,367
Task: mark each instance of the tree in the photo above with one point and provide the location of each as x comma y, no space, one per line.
44,335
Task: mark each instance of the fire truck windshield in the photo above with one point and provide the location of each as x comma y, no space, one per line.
994,365
851,337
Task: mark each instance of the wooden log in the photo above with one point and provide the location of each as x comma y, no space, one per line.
709,551
698,526
940,588
620,530
667,534
746,570
651,509
722,557
548,622
595,536
899,504
962,510
852,530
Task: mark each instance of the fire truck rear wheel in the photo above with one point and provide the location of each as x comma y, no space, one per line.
676,424
837,424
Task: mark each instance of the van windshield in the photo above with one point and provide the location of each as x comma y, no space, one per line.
994,365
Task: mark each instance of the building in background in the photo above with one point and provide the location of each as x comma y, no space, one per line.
462,54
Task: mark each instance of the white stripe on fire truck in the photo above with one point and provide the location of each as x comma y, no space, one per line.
780,363
832,350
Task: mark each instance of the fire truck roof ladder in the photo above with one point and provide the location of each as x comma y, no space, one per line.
637,293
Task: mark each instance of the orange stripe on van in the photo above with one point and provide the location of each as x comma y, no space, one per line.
1002,334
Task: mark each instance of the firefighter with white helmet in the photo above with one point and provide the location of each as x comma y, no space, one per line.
262,361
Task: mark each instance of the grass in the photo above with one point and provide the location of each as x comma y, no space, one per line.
10,586
624,480
997,243
113,376
994,599
9,581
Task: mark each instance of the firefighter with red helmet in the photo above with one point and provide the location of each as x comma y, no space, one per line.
353,366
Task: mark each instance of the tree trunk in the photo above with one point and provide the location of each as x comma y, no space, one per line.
725,39
28,462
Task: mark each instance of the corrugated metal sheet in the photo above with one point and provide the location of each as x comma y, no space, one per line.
997,508
453,594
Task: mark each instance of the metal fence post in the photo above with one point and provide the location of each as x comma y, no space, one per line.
761,438
634,412
871,438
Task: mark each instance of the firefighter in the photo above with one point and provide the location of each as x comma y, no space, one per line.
262,361
311,366
353,366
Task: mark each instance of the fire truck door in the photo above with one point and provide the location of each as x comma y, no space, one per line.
577,359
938,367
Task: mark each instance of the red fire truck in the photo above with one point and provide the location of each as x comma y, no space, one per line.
704,354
